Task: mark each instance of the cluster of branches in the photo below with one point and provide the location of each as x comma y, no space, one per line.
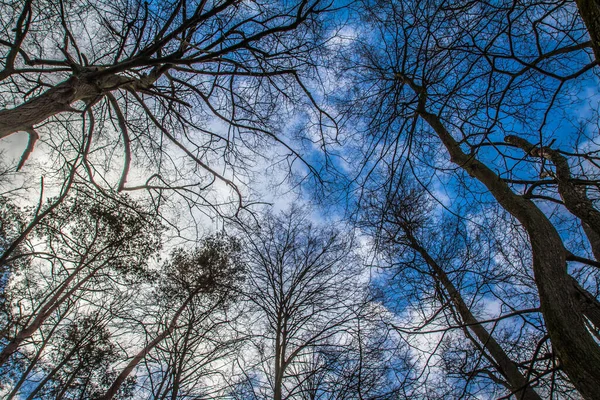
89,310
176,95
481,191
471,152
86,300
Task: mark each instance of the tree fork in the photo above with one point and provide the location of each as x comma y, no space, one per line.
82,86
577,350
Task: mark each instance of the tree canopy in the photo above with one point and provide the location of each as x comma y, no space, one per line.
444,156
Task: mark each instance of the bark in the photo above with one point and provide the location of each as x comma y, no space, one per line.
574,196
589,306
517,383
578,203
85,86
575,347
590,13
594,240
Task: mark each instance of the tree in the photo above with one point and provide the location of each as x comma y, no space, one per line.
479,82
83,245
437,253
80,362
154,82
194,285
302,283
372,362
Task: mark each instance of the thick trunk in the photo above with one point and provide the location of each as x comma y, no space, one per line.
53,101
516,381
590,13
578,203
594,240
277,392
589,306
82,87
575,347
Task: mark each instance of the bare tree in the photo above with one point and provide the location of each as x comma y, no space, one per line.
372,362
471,81
403,225
302,283
138,85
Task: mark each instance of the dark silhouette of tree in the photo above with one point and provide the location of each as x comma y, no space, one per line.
404,226
472,95
471,154
81,362
140,85
302,284
194,285
82,245
372,362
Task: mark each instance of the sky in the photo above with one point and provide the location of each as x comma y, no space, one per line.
268,181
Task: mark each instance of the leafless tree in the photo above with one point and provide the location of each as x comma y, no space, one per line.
442,261
472,96
302,283
138,86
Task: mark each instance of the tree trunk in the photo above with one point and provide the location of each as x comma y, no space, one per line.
518,384
575,347
53,101
279,359
114,388
86,86
51,305
574,196
589,305
594,240
590,13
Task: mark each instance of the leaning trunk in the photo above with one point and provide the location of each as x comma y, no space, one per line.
517,383
571,339
114,388
86,86
35,111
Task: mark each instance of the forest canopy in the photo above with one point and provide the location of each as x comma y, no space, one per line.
299,199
